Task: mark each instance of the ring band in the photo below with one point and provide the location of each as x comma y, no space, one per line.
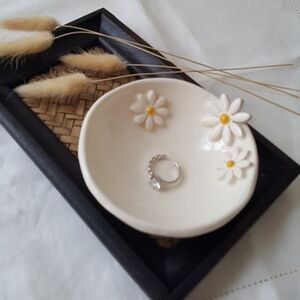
156,182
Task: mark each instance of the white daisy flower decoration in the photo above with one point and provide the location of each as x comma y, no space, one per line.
149,109
225,118
233,164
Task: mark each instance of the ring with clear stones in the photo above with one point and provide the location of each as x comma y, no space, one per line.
156,182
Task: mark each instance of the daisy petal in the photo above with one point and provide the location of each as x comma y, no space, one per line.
243,163
137,107
241,117
151,97
158,120
161,101
213,109
242,155
223,103
234,153
227,136
209,120
139,119
236,129
140,99
162,111
229,175
235,106
227,156
237,172
215,133
221,173
149,123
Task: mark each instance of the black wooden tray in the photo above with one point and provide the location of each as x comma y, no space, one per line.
162,273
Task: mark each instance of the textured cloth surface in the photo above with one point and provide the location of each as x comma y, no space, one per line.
47,252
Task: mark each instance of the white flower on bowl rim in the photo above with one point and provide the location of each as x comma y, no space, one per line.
149,109
233,164
225,119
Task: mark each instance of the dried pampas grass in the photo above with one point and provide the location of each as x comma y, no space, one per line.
34,23
94,61
59,87
35,43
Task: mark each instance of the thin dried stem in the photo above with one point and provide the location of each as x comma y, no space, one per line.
142,48
137,46
203,73
235,76
141,74
212,71
264,83
223,69
255,95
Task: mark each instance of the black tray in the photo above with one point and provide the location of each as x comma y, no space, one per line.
162,273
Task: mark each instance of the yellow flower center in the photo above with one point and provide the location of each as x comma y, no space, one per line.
149,110
229,163
224,118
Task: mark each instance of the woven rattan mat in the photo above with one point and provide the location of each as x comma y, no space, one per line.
64,116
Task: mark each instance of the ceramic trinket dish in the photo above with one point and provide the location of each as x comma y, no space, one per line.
126,127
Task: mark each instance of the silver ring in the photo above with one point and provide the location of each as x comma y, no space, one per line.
156,182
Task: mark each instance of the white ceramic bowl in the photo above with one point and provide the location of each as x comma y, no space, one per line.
114,153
